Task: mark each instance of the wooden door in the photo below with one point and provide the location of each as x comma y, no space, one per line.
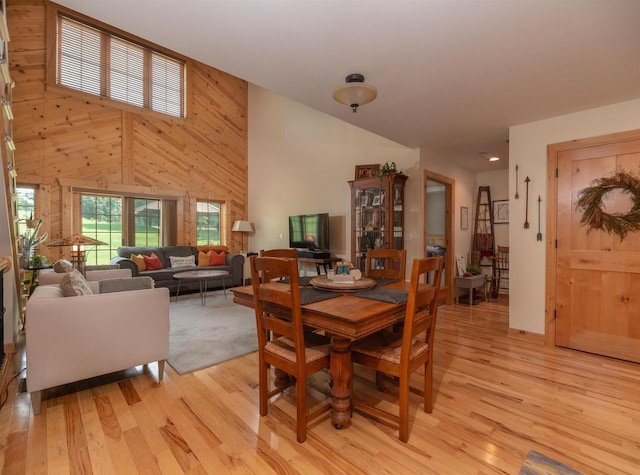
598,275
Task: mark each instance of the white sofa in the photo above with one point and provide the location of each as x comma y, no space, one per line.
74,338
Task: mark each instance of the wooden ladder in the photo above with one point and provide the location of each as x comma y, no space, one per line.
483,236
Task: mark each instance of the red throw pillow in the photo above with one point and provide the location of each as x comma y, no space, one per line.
153,262
218,259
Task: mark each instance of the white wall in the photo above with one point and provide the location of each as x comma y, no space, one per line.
299,163
528,148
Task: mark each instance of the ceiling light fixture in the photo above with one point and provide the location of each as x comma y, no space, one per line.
9,141
6,108
488,157
355,92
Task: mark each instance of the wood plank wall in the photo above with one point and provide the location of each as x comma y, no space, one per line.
99,144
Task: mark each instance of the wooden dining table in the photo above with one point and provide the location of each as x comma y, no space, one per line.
346,318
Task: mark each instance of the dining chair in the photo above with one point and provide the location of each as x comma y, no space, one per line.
401,354
285,252
500,270
386,263
282,342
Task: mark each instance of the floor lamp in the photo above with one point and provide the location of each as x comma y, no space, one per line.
243,227
78,253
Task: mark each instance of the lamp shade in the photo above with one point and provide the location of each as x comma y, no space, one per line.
242,226
74,240
355,92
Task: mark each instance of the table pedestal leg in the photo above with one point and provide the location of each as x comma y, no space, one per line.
340,367
282,380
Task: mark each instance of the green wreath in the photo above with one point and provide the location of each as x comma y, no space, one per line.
594,216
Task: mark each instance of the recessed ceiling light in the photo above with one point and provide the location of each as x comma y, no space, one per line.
493,158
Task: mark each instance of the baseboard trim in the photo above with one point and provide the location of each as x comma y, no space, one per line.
525,335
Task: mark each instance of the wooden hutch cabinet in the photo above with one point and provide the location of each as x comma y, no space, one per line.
377,215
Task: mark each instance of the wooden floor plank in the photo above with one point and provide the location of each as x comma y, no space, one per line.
497,396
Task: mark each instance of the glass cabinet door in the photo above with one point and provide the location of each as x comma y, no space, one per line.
377,218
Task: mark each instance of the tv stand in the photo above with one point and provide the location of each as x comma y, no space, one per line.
313,254
318,261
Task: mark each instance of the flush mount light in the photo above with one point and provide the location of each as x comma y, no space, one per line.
355,92
488,157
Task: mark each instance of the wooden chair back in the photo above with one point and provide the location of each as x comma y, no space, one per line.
422,304
386,263
282,253
500,269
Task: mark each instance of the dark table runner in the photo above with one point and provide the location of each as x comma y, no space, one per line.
383,294
311,295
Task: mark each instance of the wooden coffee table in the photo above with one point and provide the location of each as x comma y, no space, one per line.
203,277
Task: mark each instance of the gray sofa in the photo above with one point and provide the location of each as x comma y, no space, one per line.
164,277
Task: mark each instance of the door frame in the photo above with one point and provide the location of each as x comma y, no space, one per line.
449,228
552,211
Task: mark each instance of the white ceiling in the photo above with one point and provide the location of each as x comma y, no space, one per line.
452,75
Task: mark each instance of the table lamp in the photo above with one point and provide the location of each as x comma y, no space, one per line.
243,227
78,253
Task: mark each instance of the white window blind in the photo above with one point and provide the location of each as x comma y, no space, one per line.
79,57
126,67
94,61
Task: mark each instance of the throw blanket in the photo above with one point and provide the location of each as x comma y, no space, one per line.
121,285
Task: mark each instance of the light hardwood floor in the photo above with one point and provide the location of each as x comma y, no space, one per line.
497,397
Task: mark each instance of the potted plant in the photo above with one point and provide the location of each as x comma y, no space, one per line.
30,222
473,269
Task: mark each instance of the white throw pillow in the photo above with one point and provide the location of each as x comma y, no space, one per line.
188,261
74,284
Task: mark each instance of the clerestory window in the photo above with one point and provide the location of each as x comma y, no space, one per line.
98,62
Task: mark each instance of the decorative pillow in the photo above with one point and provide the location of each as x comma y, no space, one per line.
74,284
204,259
153,262
62,266
139,260
218,259
188,261
125,284
212,247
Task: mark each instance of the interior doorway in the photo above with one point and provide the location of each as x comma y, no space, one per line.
438,234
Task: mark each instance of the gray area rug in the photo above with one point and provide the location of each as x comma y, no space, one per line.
204,336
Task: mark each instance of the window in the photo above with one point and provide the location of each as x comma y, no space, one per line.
208,222
26,207
102,220
147,222
95,61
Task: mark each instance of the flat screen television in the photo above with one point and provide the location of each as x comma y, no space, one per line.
309,231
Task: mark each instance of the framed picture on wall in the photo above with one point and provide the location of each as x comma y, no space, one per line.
366,171
464,217
501,212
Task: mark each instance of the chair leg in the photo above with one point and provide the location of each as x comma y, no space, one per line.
403,394
160,370
380,380
263,388
428,385
301,406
